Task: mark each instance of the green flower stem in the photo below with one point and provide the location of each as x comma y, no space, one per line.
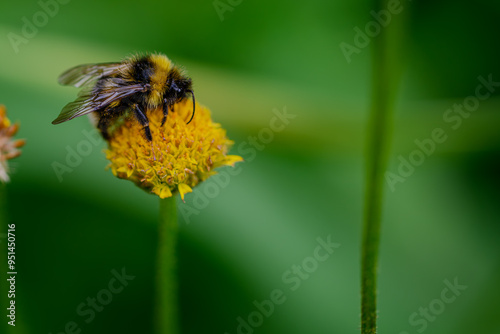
385,75
166,280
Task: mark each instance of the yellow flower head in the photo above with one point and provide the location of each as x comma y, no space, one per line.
179,157
8,146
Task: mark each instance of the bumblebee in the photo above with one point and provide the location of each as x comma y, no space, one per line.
136,85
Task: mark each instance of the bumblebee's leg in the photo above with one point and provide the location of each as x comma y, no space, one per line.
143,120
166,107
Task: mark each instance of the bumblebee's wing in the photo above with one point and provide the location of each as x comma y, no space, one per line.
81,75
89,101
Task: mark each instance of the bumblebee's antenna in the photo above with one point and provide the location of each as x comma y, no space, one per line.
192,93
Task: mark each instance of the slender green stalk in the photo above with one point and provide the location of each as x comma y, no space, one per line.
166,280
384,78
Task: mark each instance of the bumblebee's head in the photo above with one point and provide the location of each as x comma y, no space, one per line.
178,89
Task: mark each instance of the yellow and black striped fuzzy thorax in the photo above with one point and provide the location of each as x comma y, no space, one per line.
134,86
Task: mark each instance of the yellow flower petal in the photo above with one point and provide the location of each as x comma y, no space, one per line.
163,191
232,159
184,189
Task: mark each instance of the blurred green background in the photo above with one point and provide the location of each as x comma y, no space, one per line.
442,223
